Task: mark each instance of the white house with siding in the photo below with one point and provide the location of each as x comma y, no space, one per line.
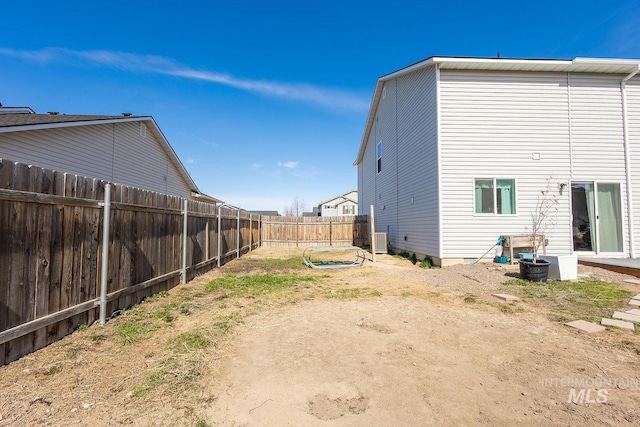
130,150
455,152
343,205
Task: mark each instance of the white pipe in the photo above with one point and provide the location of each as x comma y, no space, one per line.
184,244
104,267
627,160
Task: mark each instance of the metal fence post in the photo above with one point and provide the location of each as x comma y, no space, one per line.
184,244
104,267
206,241
219,235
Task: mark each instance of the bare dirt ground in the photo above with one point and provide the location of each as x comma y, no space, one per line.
384,344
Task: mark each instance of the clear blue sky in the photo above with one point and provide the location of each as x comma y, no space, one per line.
267,100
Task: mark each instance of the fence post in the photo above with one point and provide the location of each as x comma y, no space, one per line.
259,229
219,235
330,231
184,244
250,232
104,267
373,235
238,251
206,241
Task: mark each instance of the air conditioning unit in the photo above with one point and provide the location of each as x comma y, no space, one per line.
381,242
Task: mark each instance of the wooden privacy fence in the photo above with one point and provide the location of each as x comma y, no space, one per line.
51,228
314,231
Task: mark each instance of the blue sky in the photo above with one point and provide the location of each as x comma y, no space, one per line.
264,101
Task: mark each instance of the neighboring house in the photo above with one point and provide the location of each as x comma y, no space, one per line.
455,152
125,149
265,213
343,205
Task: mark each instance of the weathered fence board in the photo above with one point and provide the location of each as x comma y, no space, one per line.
313,231
51,226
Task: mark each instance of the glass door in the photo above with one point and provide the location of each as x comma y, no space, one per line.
584,217
609,218
597,217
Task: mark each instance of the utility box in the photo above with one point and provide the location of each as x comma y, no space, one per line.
381,243
562,267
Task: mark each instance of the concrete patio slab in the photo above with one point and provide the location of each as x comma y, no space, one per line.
633,311
618,324
585,326
507,297
635,302
625,316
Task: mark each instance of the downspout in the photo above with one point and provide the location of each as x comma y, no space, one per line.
627,160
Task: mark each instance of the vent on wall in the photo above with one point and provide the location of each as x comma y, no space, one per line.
143,130
381,243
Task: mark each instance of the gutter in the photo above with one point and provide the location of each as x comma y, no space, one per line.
627,160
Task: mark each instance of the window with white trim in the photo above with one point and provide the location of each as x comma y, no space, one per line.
347,210
379,156
495,196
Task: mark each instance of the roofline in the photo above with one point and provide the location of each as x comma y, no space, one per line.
206,198
147,119
585,65
18,128
343,195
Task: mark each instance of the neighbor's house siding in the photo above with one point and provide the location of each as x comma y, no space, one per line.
117,152
633,126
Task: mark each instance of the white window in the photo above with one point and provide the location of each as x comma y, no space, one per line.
495,196
379,156
347,210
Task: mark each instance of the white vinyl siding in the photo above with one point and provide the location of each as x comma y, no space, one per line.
418,186
492,125
367,177
596,128
114,152
387,180
597,136
633,126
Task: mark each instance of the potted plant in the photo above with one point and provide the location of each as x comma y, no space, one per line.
542,221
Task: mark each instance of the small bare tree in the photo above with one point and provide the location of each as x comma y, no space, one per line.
296,208
543,217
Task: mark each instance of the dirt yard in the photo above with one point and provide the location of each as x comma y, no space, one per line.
388,343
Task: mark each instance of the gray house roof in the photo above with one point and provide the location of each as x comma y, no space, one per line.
16,119
577,65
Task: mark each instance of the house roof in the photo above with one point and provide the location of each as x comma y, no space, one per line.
19,120
623,67
342,196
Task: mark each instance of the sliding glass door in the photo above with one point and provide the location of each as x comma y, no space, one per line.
597,217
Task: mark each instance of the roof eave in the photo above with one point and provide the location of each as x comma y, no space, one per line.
594,65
